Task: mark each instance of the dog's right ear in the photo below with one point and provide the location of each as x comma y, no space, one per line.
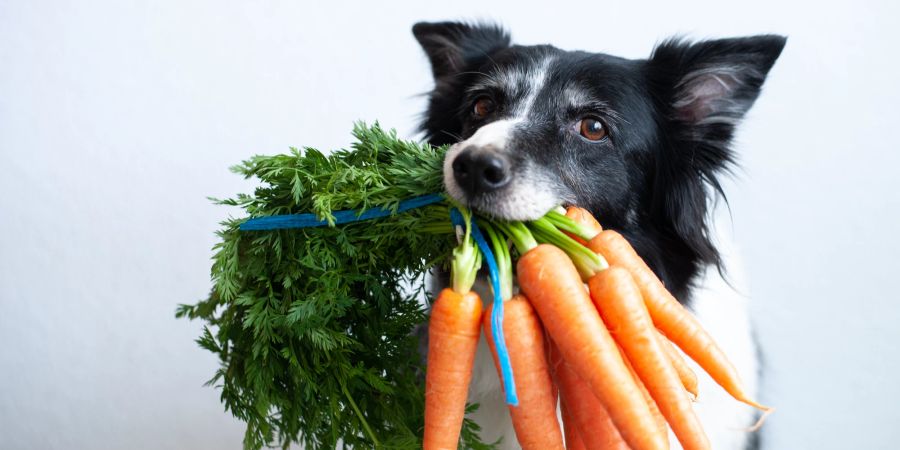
453,47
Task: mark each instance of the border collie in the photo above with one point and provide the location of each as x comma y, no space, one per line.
640,143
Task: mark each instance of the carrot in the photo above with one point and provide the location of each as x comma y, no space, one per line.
548,347
687,376
570,430
551,281
623,310
535,418
593,426
584,218
672,319
657,414
453,332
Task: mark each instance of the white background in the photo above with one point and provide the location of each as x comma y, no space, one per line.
118,118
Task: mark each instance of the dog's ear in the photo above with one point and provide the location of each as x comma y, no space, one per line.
452,47
704,89
717,81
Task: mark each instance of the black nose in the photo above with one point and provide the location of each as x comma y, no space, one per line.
480,172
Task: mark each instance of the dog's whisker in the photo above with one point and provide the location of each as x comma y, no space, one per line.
453,135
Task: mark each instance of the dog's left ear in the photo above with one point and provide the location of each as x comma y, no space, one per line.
704,89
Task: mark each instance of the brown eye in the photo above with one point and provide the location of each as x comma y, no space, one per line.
483,106
592,129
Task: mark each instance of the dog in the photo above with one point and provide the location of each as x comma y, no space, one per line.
642,144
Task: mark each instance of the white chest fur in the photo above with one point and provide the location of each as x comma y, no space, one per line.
721,309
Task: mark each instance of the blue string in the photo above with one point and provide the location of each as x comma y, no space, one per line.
506,372
346,216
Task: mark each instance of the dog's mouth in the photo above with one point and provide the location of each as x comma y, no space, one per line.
501,207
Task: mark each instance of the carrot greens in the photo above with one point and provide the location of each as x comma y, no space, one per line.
314,328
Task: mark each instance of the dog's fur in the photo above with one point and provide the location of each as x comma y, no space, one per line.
669,121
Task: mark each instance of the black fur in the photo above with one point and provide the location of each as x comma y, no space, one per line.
670,120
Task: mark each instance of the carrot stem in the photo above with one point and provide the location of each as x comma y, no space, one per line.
466,259
519,234
586,260
565,223
359,414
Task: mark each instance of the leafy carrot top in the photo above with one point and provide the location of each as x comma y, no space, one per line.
314,328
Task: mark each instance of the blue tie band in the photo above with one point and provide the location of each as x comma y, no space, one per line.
346,216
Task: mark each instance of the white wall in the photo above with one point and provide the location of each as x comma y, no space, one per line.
118,118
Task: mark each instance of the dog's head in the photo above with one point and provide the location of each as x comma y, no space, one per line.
638,142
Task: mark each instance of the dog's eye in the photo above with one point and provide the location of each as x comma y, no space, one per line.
591,129
482,107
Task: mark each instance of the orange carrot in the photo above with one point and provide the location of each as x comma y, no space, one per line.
547,349
570,429
687,376
534,419
594,427
622,308
657,414
551,281
675,322
453,332
584,218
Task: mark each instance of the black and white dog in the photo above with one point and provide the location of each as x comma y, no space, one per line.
640,143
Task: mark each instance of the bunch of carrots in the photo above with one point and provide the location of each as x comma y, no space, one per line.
591,331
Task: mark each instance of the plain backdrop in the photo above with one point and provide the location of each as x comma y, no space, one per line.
119,118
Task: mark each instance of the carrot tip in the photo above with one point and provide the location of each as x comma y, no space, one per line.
759,422
754,404
693,392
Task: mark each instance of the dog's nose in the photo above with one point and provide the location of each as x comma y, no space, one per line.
480,172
